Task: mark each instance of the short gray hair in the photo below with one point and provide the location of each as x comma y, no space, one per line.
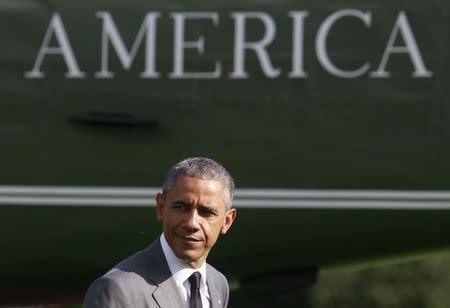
200,168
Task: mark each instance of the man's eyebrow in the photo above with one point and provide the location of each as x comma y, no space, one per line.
179,202
206,208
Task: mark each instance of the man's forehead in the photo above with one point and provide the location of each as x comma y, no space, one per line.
188,185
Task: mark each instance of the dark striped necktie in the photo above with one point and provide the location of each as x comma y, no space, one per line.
195,301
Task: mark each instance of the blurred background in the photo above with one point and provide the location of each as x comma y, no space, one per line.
421,283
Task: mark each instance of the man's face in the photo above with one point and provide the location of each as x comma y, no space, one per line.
194,212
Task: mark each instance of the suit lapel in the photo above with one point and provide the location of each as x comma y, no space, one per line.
166,294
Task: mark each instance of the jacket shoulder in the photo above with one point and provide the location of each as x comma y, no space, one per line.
106,292
123,285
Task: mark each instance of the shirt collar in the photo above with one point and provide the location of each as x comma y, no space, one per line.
179,269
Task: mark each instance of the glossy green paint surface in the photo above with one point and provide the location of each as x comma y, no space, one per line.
320,131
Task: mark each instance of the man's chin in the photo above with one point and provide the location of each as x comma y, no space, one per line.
189,256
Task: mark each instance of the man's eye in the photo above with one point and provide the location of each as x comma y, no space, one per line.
207,213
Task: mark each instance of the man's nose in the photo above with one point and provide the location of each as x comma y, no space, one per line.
192,220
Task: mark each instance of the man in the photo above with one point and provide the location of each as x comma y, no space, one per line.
194,207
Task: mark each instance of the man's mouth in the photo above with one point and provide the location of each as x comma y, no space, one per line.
189,238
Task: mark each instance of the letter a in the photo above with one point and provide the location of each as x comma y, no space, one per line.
65,49
402,26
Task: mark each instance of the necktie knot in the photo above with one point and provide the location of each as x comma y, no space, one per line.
194,280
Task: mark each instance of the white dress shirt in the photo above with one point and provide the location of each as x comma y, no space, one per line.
181,273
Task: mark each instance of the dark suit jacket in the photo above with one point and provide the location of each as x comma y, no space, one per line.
144,280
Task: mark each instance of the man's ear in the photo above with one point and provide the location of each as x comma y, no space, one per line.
160,200
230,216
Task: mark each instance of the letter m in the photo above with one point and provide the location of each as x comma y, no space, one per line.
126,58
